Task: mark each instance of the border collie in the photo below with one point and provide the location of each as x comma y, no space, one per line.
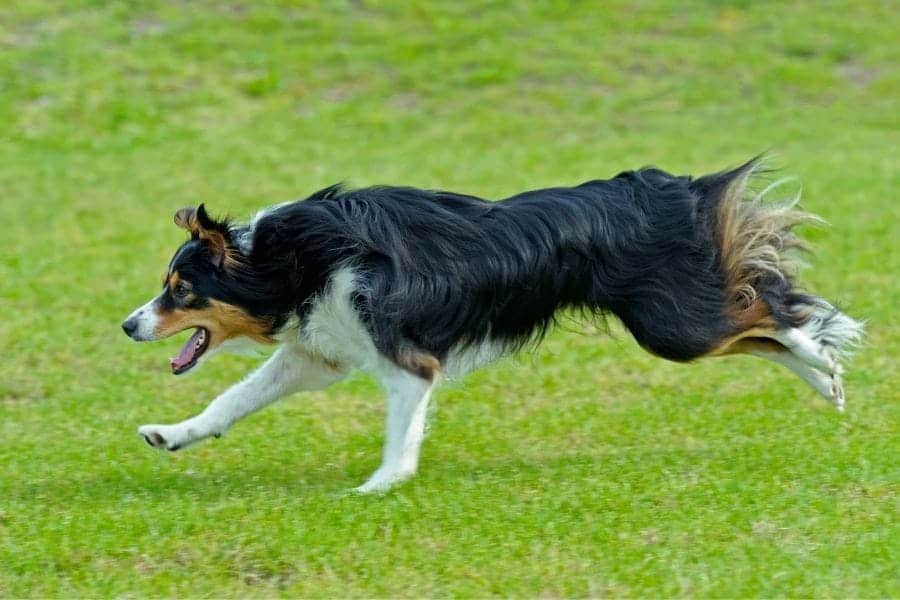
413,286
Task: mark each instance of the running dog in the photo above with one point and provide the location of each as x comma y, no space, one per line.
413,286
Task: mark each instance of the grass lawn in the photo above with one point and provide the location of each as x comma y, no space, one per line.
586,468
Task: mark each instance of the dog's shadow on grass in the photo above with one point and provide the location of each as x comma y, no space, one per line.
197,482
216,482
163,479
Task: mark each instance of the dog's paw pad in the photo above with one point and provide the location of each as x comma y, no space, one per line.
157,440
154,439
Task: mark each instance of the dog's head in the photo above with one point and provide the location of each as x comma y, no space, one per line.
202,289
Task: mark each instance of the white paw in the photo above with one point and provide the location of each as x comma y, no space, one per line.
168,437
837,391
837,379
382,480
832,355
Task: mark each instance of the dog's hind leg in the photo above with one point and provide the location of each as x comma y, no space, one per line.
812,349
407,407
828,384
807,349
288,370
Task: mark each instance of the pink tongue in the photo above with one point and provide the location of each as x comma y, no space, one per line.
187,351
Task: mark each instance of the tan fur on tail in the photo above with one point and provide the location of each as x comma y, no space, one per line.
756,239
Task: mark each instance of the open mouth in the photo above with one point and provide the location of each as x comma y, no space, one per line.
191,352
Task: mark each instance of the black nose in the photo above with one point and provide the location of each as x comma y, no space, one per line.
130,326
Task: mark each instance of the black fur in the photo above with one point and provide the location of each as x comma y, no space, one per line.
440,270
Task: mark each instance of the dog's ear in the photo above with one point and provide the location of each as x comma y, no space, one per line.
186,218
207,223
203,227
217,236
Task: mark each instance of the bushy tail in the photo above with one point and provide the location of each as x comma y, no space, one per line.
755,237
759,259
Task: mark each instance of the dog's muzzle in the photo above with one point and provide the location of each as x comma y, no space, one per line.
141,324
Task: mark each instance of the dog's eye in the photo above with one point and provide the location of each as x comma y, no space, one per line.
181,290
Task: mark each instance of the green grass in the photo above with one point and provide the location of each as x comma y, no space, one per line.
587,468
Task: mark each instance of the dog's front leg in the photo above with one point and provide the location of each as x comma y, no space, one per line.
288,370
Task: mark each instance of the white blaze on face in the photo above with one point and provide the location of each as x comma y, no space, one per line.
147,319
